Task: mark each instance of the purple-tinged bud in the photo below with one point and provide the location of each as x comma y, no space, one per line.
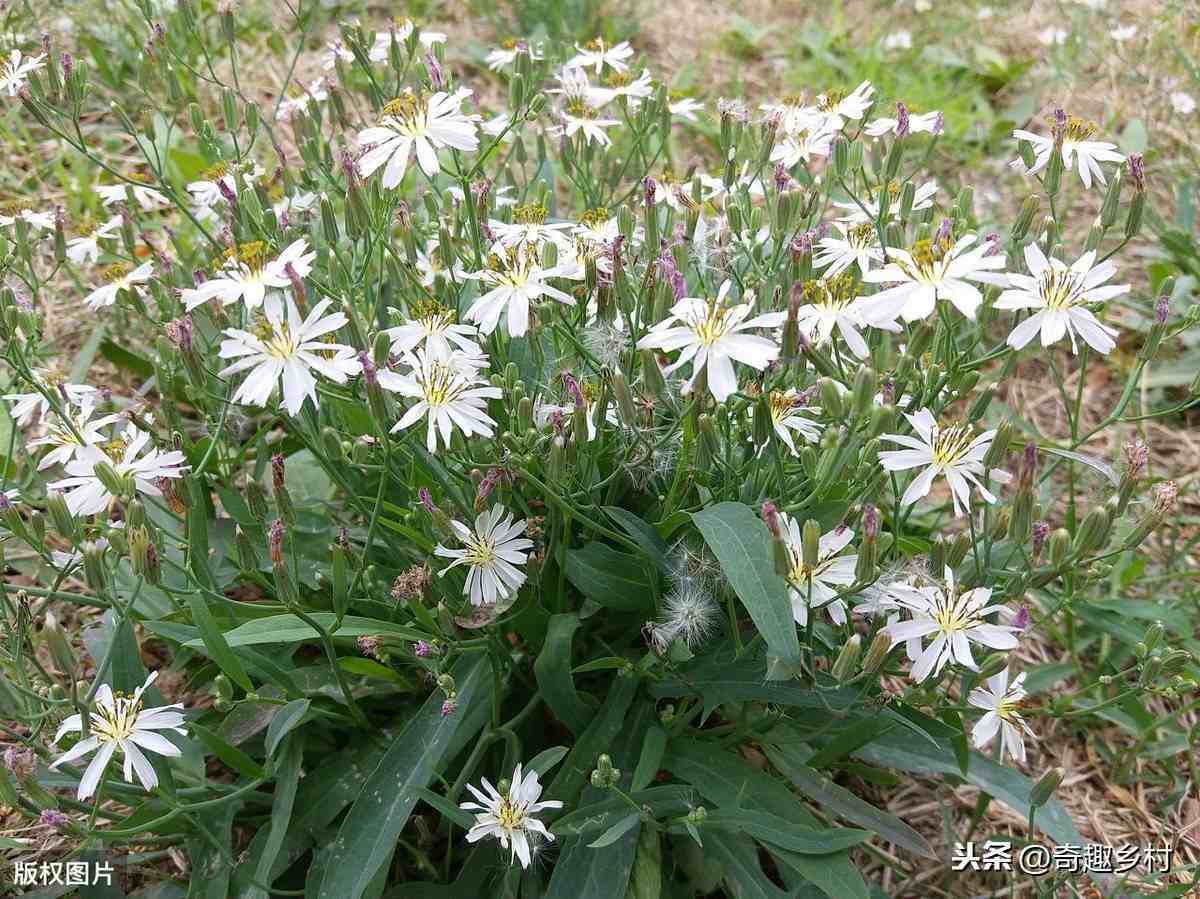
1029,461
369,371
21,763
1021,621
437,77
870,522
1162,309
770,515
485,488
648,190
782,179
902,126
1041,530
572,388
227,191
448,707
68,65
46,43
939,124
1165,498
275,541
1137,171
198,277
181,332
1137,455
422,650
426,500
993,244
297,285
887,392
277,471
368,645
945,229
53,818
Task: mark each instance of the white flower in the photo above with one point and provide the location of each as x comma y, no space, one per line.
811,588
87,495
145,196
28,406
956,621
530,229
509,817
37,221
710,335
1052,36
898,40
67,440
517,279
414,124
1060,295
1077,148
926,123
206,192
833,305
1183,104
952,451
678,194
16,71
1001,702
86,247
496,126
786,417
635,91
505,56
248,274
922,199
119,279
400,33
581,117
492,552
854,105
286,350
120,722
335,50
433,326
449,392
858,245
802,146
599,54
685,108
316,92
301,201
1122,33
933,271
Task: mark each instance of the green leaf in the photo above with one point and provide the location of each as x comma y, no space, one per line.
592,817
126,359
367,837
775,831
860,733
617,831
553,672
842,802
614,579
284,722
204,854
290,629
643,533
547,759
446,808
653,748
596,739
214,642
306,481
742,544
740,866
835,881
907,752
227,752
287,779
645,881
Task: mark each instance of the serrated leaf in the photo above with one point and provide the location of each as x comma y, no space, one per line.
741,543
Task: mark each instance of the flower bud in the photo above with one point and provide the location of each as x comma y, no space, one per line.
1092,531
993,665
95,574
1045,787
1060,547
113,482
810,543
846,663
58,645
1024,219
831,398
998,448
877,652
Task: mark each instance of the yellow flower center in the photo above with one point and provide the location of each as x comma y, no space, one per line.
116,724
216,171
530,214
406,113
481,553
950,444
114,273
714,325
1061,288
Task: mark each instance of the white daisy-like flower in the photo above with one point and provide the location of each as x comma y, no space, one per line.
248,274
315,92
711,337
432,326
835,109
575,89
492,552
144,195
685,108
934,270
450,392
855,215
26,407
597,54
956,620
120,722
16,69
803,146
119,278
67,440
86,494
401,31
430,264
37,221
506,55
1060,295
286,350
858,245
1001,704
206,191
1123,33
923,123
86,247
509,817
516,278
832,304
787,416
1078,149
580,117
898,40
421,125
1053,36
302,201
1183,104
529,228
954,452
812,588
634,90
678,194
